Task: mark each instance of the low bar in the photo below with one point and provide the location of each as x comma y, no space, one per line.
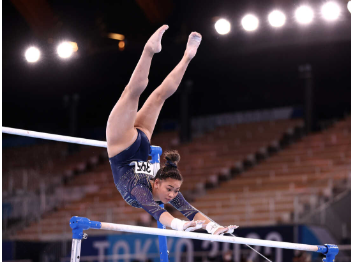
201,236
329,250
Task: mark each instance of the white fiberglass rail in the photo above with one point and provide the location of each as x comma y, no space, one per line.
68,139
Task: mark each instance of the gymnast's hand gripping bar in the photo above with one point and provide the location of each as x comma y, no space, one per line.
78,224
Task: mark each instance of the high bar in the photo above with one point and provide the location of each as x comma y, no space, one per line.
68,139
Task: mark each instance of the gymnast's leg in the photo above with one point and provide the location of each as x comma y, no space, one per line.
147,116
120,130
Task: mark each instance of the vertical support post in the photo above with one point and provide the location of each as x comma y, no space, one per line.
162,242
75,253
155,153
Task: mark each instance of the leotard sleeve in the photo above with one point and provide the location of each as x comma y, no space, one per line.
144,197
184,207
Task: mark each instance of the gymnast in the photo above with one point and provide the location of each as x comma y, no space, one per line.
128,134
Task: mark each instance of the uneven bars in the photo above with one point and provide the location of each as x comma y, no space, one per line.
78,224
68,139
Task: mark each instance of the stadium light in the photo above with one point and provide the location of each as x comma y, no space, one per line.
304,14
121,45
116,36
222,26
65,50
349,6
276,18
249,22
32,54
330,11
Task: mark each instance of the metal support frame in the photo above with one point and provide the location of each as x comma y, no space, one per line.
332,251
75,253
79,224
155,153
162,243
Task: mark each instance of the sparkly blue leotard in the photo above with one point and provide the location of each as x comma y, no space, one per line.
136,189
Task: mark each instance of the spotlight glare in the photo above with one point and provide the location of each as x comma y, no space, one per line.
349,6
249,22
65,50
304,15
121,45
222,26
276,18
74,46
330,11
116,36
32,54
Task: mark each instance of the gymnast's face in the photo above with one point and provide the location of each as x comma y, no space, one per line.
167,189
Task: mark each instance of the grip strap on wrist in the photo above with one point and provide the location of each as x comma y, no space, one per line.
178,224
212,227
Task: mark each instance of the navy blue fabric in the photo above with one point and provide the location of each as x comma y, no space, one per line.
138,151
136,189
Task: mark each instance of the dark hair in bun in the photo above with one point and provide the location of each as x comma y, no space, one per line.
170,169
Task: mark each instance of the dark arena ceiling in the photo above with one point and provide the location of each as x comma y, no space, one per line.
235,72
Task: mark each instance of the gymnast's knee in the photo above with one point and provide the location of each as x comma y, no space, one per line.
135,89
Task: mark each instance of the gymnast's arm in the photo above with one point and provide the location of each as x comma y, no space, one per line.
188,210
219,229
144,197
166,219
200,216
193,214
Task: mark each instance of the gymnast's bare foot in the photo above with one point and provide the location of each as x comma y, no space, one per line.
153,45
192,45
